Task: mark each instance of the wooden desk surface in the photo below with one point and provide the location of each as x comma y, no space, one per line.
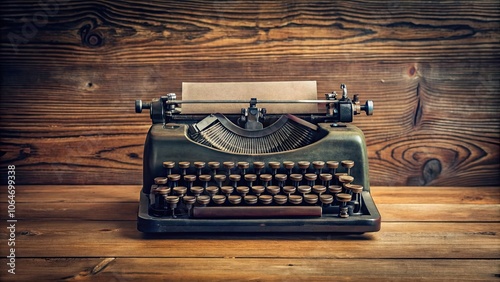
89,233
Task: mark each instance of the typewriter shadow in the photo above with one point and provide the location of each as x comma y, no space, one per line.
260,236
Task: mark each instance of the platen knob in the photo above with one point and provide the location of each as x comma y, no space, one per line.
139,105
368,107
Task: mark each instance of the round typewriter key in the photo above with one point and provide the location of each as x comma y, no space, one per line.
332,165
227,190
196,190
304,165
162,190
265,178
334,189
219,178
160,180
173,179
258,166
281,178
343,198
243,190
311,199
319,189
289,166
169,164
280,199
214,166
311,178
243,167
326,199
304,189
172,201
265,199
189,201
296,178
289,190
250,178
347,164
318,165
219,199
189,179
205,178
250,199
203,200
235,178
228,166
325,179
234,199
257,190
273,190
180,190
212,190
295,199
199,166
184,166
346,179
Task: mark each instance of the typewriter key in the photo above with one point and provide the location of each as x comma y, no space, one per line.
184,166
345,179
219,178
257,190
311,178
296,178
280,199
250,199
169,166
289,190
325,179
273,190
318,166
265,199
160,180
274,167
311,199
295,199
189,179
203,200
348,164
334,190
289,166
243,167
304,165
234,199
332,165
319,189
189,201
196,190
235,178
227,190
162,190
343,198
205,178
265,178
281,178
219,199
180,191
356,191
326,199
212,190
172,202
214,166
243,190
304,189
228,166
337,175
199,166
250,178
173,179
258,166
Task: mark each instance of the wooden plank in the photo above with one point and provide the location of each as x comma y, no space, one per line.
128,211
172,30
130,193
245,269
121,239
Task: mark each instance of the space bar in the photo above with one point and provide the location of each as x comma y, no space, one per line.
257,212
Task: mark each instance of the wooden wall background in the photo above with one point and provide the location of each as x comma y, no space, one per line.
71,70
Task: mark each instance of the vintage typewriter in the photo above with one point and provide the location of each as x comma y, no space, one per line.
256,171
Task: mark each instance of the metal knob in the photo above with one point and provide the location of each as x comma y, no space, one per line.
139,106
368,107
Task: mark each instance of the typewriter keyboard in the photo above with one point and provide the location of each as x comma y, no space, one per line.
256,190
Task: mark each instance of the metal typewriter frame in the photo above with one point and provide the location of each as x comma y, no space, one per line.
164,111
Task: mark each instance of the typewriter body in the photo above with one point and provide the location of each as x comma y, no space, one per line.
256,171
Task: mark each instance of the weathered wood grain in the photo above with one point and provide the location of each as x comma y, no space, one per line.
69,79
248,269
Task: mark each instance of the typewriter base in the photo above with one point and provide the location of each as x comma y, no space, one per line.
368,222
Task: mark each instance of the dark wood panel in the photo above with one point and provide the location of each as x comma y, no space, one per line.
69,81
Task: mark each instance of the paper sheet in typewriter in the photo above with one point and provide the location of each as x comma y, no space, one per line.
282,90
